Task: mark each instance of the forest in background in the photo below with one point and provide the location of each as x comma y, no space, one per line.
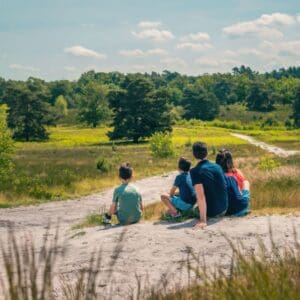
137,105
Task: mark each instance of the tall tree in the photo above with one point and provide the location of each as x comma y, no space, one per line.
200,103
29,111
93,105
259,98
139,109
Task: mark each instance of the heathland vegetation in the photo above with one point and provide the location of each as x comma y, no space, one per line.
64,139
69,136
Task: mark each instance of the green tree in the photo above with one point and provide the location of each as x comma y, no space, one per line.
259,98
61,106
139,109
29,111
6,146
200,103
93,105
296,108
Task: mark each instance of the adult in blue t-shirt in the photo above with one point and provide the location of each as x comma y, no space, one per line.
210,185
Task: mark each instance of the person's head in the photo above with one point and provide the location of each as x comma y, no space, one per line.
225,160
184,164
200,150
125,171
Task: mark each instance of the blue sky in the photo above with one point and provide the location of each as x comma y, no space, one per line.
56,39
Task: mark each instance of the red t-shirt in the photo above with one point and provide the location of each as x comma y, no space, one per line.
239,177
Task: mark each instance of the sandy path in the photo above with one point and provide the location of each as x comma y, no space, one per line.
270,148
149,250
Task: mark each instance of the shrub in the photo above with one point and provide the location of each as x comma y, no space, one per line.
103,165
161,145
268,164
6,147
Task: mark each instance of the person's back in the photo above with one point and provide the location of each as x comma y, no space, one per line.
128,201
238,203
211,176
239,177
186,191
185,200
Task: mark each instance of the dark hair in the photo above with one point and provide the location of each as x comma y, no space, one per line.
225,160
184,164
200,150
125,171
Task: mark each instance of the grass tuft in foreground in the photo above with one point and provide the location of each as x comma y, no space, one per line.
29,273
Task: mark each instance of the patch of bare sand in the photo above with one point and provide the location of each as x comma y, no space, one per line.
269,148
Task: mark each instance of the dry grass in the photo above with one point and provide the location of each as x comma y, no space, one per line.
29,273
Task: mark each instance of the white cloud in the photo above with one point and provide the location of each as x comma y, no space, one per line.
286,48
298,18
85,52
70,69
173,62
263,26
141,53
198,36
194,46
132,53
148,24
154,35
216,62
157,51
22,67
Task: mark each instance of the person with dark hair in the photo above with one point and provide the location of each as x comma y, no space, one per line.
127,201
238,188
186,198
210,186
225,160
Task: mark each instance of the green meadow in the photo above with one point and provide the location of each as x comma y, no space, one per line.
65,166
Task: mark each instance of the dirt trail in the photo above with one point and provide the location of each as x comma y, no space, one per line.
149,250
270,148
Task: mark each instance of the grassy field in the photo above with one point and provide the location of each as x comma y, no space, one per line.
65,166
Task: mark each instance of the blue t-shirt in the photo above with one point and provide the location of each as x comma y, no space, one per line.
212,177
186,190
236,201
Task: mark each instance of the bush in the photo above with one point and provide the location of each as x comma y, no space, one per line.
161,145
268,164
103,165
6,147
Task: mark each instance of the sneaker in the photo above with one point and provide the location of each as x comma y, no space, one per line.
106,219
173,215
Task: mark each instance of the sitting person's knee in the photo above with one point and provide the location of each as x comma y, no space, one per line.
164,197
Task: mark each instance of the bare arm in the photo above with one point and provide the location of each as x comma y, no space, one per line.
173,191
201,200
113,209
142,205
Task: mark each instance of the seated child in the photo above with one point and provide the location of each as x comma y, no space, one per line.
237,187
127,201
187,197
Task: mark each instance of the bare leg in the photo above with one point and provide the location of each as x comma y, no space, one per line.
246,185
165,198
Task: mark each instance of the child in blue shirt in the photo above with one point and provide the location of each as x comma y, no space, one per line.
186,198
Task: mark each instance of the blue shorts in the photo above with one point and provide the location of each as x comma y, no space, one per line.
245,211
180,204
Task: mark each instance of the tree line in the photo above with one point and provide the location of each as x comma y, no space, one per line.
137,105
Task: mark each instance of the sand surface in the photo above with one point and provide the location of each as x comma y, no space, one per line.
269,148
148,250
